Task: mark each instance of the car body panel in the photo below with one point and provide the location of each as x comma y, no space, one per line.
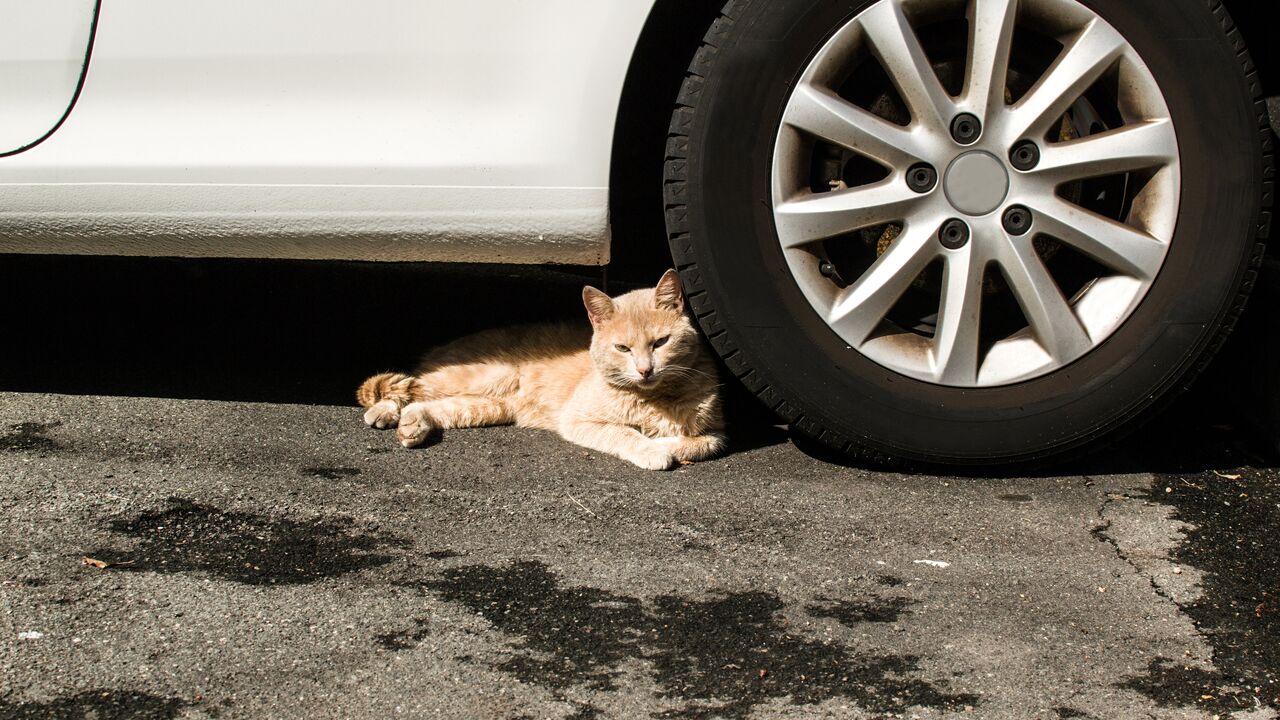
43,50
385,130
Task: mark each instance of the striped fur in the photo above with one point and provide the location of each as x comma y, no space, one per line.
399,387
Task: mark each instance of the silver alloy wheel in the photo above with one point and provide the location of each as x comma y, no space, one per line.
977,184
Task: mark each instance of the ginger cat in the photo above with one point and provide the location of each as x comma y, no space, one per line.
640,386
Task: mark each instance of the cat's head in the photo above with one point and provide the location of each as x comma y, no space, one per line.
642,339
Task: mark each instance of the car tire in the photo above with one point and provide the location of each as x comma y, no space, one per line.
723,227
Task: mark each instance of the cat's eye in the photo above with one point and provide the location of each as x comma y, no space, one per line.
622,348
661,341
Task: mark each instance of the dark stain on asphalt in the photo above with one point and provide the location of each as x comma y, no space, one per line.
330,473
405,639
889,580
34,582
1232,510
33,437
721,656
97,705
443,554
1068,713
1173,684
29,437
188,537
732,653
852,613
572,636
1016,498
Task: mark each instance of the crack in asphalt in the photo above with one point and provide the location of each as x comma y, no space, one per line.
1171,683
1230,510
1165,682
1100,532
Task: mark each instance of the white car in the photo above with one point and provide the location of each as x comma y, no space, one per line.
944,231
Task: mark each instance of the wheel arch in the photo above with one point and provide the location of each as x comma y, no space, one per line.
671,35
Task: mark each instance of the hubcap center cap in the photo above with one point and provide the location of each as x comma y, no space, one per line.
976,183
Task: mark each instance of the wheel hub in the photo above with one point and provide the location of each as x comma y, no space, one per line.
976,183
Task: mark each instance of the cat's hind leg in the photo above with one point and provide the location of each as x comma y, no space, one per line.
385,394
419,419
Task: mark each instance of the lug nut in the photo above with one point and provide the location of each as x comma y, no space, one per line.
966,128
1025,155
922,177
1017,220
953,234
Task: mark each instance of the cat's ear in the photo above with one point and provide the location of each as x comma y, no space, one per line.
599,305
667,295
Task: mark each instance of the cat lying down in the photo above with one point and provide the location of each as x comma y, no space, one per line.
641,385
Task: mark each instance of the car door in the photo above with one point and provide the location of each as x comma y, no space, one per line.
44,52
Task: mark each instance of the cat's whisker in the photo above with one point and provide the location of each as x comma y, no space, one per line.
682,368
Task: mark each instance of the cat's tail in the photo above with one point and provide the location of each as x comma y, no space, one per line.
399,387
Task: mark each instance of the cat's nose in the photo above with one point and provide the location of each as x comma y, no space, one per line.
645,372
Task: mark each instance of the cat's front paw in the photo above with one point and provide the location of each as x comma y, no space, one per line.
653,458
414,427
382,415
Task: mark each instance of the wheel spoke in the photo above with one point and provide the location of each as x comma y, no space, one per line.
896,46
1052,320
1081,63
1125,149
990,37
859,308
1114,244
824,114
824,215
955,349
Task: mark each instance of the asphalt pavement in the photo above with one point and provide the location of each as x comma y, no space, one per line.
194,522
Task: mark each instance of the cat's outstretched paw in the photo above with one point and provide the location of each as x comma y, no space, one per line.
384,414
692,449
656,458
414,427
